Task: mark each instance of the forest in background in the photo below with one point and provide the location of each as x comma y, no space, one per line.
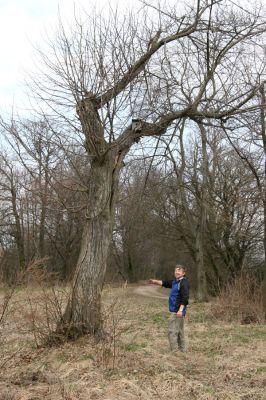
157,217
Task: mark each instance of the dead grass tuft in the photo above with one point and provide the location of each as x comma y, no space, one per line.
241,301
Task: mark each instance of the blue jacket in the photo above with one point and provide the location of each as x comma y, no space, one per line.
179,294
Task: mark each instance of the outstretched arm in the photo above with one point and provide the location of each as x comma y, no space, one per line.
155,282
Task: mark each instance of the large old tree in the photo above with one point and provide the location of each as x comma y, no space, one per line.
129,78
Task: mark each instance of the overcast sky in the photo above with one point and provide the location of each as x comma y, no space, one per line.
22,25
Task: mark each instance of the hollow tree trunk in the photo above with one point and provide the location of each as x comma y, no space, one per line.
83,312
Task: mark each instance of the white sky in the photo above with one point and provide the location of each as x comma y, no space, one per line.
22,25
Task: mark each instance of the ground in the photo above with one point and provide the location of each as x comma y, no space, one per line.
223,361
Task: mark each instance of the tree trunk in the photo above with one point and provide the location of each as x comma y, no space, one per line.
44,198
18,230
263,133
264,242
200,234
201,294
83,312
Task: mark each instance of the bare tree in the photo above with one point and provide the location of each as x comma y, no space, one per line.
252,151
212,210
142,69
263,190
10,195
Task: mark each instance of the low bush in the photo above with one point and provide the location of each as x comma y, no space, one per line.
240,300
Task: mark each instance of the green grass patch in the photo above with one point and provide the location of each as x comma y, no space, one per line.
88,356
209,389
135,346
244,335
258,332
159,319
261,370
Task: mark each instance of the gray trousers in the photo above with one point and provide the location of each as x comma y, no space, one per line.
176,332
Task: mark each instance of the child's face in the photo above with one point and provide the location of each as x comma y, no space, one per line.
179,273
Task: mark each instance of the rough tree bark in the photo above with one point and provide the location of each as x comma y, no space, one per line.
83,313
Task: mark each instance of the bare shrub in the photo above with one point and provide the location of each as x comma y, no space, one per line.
7,310
240,300
36,274
44,308
5,305
45,302
7,394
109,350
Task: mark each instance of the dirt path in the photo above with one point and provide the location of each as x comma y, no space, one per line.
150,291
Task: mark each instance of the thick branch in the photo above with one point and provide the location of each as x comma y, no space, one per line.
92,126
135,69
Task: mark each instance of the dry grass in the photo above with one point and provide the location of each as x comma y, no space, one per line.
240,300
224,361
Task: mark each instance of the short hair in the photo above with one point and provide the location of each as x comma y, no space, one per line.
179,266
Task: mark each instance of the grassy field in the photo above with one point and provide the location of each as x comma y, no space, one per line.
223,361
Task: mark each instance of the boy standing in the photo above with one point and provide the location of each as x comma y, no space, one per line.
178,301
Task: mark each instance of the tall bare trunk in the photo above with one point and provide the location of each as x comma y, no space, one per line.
44,199
18,229
200,234
264,278
83,312
263,133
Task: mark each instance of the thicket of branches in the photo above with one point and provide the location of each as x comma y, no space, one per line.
157,212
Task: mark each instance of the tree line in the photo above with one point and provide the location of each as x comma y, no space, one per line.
158,212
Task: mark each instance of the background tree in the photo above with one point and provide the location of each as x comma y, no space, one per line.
40,199
232,232
251,149
11,187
